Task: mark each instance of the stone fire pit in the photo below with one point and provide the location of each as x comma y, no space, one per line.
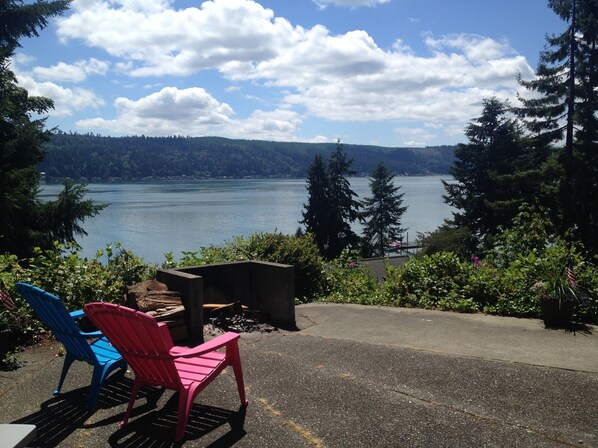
154,298
261,287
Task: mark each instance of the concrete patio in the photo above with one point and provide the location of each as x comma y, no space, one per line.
352,376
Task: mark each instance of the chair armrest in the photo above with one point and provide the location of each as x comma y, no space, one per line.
206,347
91,334
77,314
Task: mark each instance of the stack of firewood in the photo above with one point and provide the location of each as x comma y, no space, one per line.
154,298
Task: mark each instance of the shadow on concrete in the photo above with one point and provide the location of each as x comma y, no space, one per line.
570,327
576,328
157,428
63,414
57,419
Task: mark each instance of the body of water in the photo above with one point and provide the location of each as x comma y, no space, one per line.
151,219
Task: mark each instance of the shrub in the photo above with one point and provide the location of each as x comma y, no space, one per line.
298,250
434,281
530,252
587,280
349,281
61,271
447,239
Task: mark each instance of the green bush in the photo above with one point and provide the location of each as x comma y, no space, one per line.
587,310
349,281
434,281
77,281
447,238
298,250
530,252
502,282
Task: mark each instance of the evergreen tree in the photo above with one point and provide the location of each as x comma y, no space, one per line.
495,174
331,206
315,213
566,111
382,211
26,222
343,207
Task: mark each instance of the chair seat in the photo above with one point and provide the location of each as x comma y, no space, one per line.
197,369
104,351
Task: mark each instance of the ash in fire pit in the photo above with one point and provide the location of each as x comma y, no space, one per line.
245,322
236,318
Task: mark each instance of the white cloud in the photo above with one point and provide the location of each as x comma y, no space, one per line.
348,77
67,101
23,59
414,136
334,77
279,125
158,40
170,111
321,139
474,47
193,112
77,72
349,3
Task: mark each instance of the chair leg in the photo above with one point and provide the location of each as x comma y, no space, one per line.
99,375
186,397
68,360
232,353
134,392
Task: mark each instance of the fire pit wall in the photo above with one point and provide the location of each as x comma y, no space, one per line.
266,287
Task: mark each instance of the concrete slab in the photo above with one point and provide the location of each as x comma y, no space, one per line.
352,377
476,335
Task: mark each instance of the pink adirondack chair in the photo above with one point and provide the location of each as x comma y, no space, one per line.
147,347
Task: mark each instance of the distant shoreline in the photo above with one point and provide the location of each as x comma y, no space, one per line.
54,181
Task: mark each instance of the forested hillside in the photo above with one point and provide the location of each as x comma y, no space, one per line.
97,158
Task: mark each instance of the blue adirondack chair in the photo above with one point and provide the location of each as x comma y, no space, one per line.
91,347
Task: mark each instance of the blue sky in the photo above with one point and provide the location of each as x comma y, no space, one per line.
383,72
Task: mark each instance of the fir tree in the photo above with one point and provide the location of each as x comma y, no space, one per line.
382,211
495,174
343,207
331,206
566,112
26,222
315,213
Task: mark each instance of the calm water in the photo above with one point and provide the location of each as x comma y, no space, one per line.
151,219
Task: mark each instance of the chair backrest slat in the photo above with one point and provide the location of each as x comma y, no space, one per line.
55,316
139,338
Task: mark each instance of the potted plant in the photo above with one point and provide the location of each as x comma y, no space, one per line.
557,296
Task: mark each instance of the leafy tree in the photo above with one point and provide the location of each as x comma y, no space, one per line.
565,112
447,238
383,210
316,211
495,174
26,222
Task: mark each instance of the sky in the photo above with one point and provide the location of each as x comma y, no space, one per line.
392,73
